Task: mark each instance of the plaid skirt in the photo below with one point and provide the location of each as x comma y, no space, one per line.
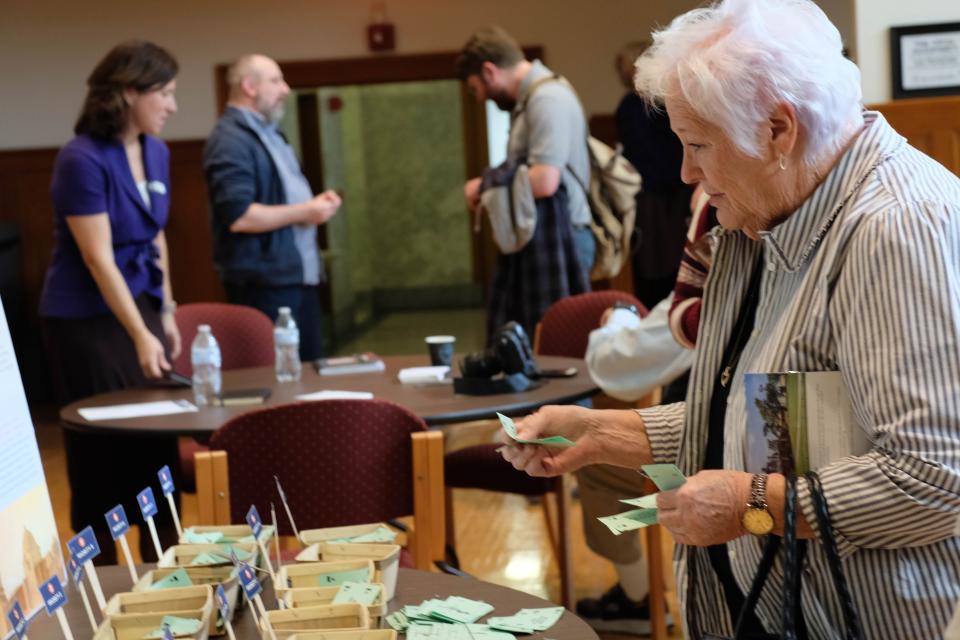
547,269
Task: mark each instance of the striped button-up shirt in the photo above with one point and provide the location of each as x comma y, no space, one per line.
863,278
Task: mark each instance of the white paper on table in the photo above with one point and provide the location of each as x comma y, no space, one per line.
330,394
137,410
425,375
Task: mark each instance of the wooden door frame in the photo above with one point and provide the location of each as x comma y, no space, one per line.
416,67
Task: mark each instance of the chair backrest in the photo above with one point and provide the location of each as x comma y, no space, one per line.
245,334
340,462
565,327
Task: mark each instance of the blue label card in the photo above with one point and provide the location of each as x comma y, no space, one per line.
222,603
17,622
248,578
253,519
76,571
148,505
53,595
83,546
233,558
167,633
117,521
166,480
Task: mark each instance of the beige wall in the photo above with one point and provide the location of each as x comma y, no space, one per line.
47,47
873,21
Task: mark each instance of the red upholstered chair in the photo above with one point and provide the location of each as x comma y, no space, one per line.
565,327
245,336
564,331
341,462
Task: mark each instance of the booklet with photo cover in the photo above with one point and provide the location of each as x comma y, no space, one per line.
799,420
368,362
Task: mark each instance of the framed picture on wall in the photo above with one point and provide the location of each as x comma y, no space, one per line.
925,60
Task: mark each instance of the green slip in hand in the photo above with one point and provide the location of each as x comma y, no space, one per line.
643,502
665,476
551,441
630,520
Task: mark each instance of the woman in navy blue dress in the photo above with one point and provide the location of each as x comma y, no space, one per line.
107,305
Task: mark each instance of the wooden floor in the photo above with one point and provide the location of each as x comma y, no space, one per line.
500,538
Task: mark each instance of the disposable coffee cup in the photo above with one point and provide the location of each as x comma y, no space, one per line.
441,349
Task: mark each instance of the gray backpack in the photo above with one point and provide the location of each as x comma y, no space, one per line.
611,195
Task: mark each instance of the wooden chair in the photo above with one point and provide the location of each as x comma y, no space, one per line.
341,462
245,336
563,331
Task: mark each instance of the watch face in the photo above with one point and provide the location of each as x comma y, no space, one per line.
759,522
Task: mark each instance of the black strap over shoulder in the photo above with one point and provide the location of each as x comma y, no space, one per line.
820,508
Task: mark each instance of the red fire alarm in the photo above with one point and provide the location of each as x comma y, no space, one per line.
380,33
380,37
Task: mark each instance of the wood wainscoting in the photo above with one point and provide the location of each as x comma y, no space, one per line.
932,125
25,201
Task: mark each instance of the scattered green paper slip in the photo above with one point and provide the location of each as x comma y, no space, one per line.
508,623
528,620
457,609
551,441
644,502
665,476
398,621
339,577
178,578
441,631
359,592
178,627
630,520
192,537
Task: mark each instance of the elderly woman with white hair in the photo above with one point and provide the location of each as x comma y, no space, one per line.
839,251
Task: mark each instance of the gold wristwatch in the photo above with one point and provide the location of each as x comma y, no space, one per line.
757,519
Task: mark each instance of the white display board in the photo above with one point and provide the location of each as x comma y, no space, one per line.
29,546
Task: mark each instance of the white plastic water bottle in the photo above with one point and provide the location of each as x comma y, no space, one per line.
286,339
205,358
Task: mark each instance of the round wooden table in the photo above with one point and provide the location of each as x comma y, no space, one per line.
436,404
413,587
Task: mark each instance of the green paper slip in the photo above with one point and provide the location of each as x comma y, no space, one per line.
242,554
630,520
362,593
207,558
551,441
458,609
192,537
380,534
441,631
178,627
484,632
665,476
540,619
510,623
339,577
643,502
178,578
398,621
